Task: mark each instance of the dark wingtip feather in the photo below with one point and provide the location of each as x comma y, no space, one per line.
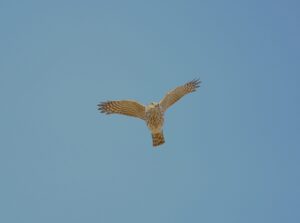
101,107
196,83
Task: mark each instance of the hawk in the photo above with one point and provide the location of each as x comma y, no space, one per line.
152,114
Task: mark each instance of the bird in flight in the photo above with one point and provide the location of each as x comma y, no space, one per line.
152,114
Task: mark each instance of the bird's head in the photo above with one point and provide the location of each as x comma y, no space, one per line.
154,104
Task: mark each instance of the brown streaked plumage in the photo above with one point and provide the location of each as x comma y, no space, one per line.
174,95
152,114
124,107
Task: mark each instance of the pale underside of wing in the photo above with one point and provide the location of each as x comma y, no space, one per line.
124,107
174,95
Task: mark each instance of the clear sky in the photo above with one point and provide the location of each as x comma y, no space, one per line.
232,151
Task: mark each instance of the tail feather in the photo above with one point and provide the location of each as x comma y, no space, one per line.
158,138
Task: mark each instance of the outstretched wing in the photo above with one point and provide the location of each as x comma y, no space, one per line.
174,95
124,107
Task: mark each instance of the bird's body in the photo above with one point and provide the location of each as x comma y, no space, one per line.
154,117
152,114
155,122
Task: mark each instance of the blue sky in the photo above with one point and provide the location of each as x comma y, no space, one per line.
232,148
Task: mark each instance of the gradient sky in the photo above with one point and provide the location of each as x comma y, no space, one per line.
232,151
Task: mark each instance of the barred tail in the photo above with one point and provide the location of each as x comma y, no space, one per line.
158,138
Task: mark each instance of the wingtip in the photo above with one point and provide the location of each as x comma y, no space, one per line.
101,107
196,82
